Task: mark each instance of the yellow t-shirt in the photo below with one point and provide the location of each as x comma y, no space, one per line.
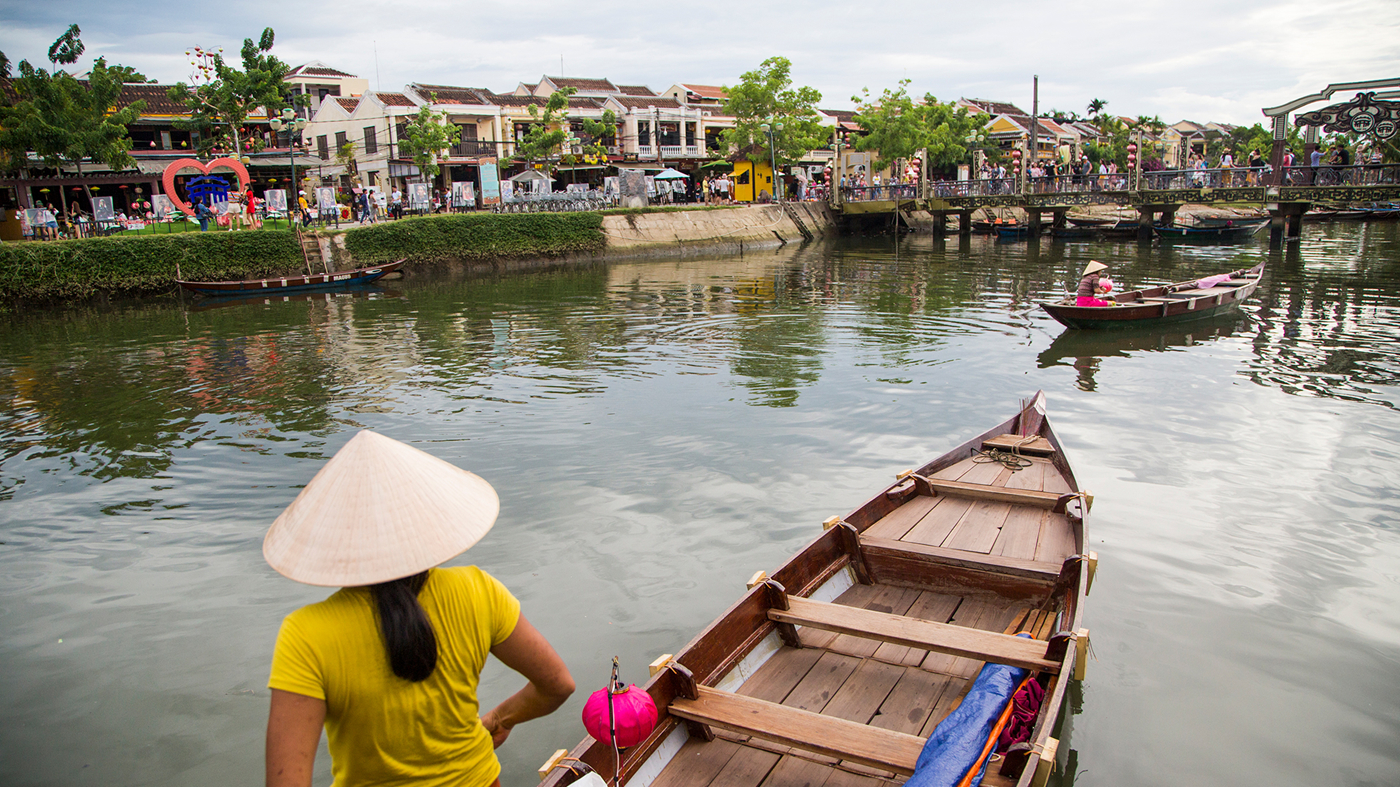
384,730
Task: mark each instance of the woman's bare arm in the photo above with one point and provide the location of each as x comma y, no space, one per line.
293,732
527,651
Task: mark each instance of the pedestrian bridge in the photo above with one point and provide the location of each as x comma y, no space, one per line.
1155,195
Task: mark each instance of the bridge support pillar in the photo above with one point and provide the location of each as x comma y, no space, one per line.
1033,221
964,222
1060,220
1145,216
1286,221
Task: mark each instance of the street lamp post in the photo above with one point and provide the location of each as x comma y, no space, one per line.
294,125
773,155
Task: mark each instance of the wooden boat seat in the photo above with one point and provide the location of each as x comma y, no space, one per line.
1002,494
828,735
922,634
1019,444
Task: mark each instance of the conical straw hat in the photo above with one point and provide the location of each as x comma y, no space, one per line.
379,510
1094,265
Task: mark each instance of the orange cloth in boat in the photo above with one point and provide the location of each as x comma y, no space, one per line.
385,730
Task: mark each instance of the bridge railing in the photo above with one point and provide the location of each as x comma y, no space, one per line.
1215,178
1074,184
981,187
1333,175
893,191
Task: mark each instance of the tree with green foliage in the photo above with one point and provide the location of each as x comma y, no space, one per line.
64,120
128,75
548,130
765,96
898,127
1096,107
220,97
426,136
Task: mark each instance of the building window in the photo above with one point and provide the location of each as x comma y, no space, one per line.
371,141
340,141
322,148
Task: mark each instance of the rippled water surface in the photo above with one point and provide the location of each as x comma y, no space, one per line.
660,430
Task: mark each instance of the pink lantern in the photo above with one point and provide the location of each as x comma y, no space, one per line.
630,713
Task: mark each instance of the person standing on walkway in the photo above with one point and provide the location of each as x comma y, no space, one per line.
390,664
396,204
201,215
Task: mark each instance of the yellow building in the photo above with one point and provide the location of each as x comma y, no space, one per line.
751,180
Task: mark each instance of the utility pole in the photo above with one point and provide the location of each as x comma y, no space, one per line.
1035,118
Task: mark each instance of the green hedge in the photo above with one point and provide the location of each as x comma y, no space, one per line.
66,269
477,236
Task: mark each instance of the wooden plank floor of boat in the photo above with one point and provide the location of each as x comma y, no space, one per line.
884,685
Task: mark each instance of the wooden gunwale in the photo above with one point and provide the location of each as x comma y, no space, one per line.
736,633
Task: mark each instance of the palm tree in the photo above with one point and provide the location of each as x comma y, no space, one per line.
1096,106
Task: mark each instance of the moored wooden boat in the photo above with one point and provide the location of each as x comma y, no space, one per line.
1185,300
1231,234
838,666
288,284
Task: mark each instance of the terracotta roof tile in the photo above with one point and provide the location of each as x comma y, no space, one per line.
348,104
642,102
395,100
452,94
636,90
592,85
707,91
156,97
317,71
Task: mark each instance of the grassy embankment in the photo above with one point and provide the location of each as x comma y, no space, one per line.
36,272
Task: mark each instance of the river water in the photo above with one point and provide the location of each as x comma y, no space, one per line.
660,430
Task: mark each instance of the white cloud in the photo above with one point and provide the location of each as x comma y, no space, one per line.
1203,60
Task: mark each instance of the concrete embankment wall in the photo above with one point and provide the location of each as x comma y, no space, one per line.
649,234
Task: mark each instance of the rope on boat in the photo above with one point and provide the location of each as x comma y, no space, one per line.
1012,460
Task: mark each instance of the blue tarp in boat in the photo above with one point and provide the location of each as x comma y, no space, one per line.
958,742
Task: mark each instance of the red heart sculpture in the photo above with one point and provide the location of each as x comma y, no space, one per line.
175,166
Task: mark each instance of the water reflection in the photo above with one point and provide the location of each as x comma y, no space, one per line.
1085,350
661,429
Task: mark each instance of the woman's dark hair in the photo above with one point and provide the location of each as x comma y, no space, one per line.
408,634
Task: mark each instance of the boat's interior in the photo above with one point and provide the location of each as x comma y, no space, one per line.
859,683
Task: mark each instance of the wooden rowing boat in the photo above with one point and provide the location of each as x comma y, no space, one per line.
1170,303
1232,234
288,284
837,667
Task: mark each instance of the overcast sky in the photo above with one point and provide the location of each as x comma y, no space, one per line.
1221,60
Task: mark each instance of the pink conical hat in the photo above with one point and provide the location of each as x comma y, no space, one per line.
379,510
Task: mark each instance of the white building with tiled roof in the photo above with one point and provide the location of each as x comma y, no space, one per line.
319,81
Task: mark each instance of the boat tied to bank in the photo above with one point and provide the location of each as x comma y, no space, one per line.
309,282
1193,299
934,628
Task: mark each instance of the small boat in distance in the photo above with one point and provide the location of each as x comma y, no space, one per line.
1187,300
874,648
310,282
1234,233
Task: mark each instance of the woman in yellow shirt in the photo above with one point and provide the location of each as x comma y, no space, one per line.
390,663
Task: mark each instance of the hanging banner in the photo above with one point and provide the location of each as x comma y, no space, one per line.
490,184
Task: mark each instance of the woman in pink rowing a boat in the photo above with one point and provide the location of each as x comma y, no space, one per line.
1092,285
